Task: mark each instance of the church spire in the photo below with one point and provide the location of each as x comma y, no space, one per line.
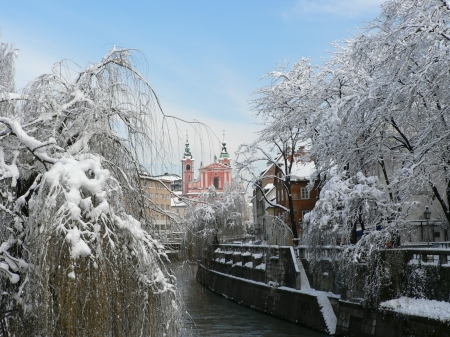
224,152
187,150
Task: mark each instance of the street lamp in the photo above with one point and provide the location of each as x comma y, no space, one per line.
427,216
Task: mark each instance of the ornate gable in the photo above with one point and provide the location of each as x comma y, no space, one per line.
217,166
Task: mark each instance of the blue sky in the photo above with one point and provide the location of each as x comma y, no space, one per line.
203,58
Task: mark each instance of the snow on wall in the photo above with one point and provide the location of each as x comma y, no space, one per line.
433,309
322,298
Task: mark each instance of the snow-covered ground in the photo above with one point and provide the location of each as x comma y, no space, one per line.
439,310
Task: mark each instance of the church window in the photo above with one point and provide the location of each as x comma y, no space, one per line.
216,182
188,167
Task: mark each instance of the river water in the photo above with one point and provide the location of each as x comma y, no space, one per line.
208,314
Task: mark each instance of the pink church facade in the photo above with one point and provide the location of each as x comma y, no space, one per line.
216,174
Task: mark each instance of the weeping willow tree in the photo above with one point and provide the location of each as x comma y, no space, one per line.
75,259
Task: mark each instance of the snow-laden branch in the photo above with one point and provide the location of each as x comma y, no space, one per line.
38,148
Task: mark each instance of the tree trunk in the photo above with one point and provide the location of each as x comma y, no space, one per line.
353,237
291,208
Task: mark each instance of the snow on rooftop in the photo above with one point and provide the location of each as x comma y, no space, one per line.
164,177
172,177
302,171
433,309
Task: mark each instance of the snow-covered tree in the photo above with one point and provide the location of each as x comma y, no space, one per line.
386,115
213,216
387,108
377,117
344,203
75,257
286,107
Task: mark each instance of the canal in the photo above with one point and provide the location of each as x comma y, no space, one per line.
208,314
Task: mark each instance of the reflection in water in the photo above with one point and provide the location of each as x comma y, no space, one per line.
208,314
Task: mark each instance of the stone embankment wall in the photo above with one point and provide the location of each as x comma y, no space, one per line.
276,301
354,320
268,264
268,279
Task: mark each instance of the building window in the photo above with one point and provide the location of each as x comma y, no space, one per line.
188,167
304,212
280,178
305,193
216,182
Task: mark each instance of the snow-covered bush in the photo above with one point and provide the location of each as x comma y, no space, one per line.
347,202
75,257
421,279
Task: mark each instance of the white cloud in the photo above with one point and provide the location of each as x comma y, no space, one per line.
349,8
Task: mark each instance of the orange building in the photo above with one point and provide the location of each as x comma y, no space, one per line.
302,199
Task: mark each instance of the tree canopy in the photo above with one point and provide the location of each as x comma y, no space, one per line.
376,115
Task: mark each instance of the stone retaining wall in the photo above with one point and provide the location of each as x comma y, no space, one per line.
253,275
353,320
294,307
267,264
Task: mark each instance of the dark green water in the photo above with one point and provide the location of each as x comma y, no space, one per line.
208,314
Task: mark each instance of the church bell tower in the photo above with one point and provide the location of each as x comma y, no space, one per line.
187,170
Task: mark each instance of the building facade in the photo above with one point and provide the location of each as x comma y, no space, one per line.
158,190
216,174
303,198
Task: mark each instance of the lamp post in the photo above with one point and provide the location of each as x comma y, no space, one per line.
427,216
